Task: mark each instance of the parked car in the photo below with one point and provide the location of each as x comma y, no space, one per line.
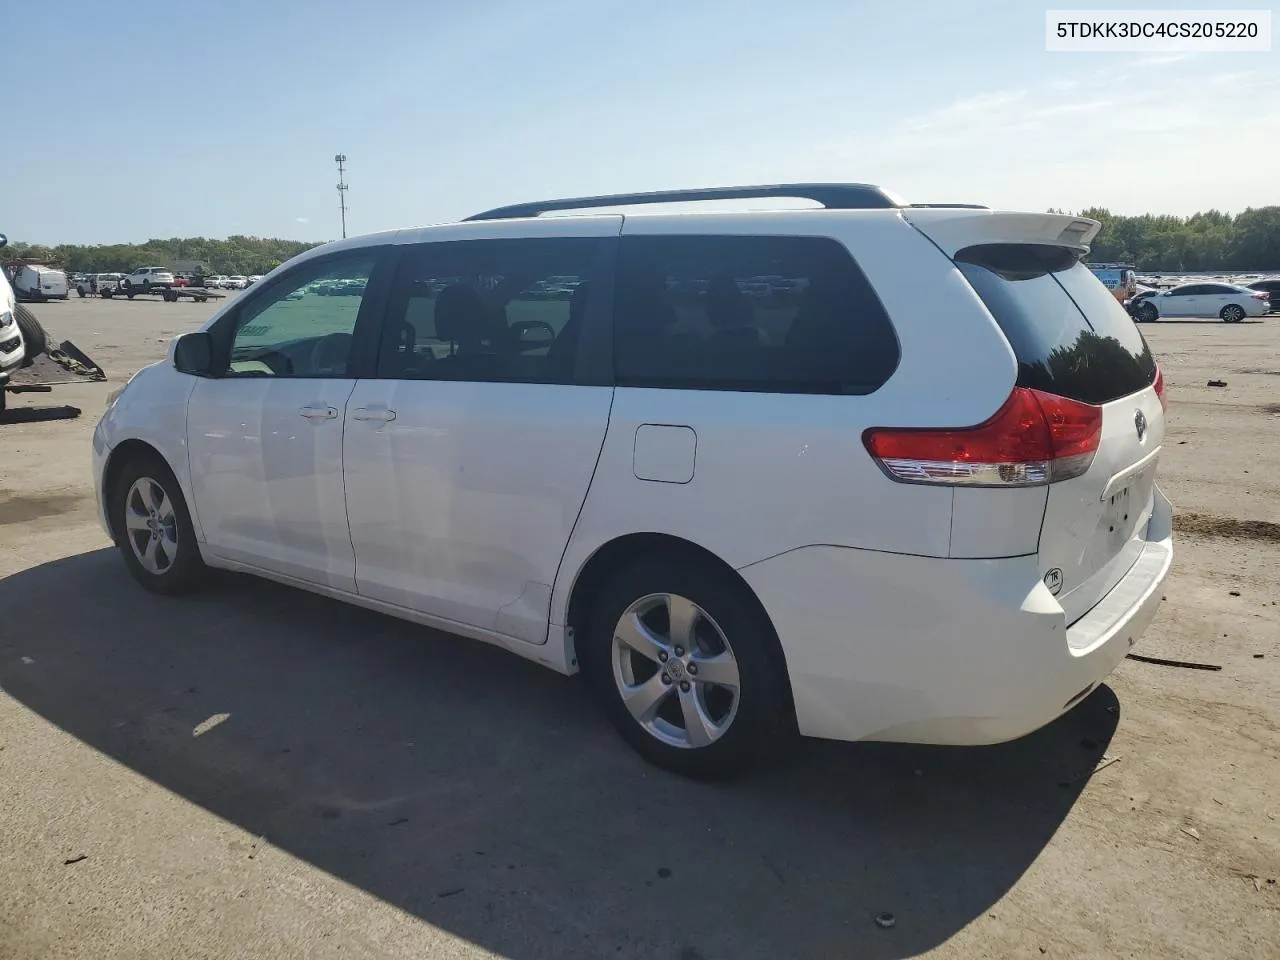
1271,288
34,283
922,509
1228,301
22,338
252,280
181,281
12,352
236,282
144,279
97,283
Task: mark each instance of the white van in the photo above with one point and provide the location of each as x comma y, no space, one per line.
34,282
907,495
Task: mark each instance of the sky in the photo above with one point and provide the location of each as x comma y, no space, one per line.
227,121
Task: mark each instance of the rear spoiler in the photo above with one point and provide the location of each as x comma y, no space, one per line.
953,229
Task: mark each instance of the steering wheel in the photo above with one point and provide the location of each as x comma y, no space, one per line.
330,354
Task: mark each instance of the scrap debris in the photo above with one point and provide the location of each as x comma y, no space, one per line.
1185,664
1102,764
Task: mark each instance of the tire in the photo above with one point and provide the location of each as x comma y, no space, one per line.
106,293
744,729
34,340
1147,313
1232,313
174,565
80,291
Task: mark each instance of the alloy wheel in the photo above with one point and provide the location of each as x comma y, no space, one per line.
675,671
151,526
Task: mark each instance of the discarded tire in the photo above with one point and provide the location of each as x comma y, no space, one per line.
34,339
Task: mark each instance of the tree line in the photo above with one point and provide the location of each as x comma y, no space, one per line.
1152,242
1208,241
238,255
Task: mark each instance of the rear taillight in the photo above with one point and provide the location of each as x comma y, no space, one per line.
1159,386
1034,438
1261,296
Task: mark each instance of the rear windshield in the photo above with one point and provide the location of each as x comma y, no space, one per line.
1070,335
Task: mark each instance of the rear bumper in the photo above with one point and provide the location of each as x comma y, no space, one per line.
929,650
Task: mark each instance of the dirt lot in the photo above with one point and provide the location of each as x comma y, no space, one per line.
378,790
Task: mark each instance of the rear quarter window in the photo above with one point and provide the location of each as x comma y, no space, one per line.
1071,337
767,314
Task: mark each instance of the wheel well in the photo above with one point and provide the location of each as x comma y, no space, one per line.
123,453
616,554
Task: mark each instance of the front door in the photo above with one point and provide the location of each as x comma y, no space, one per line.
265,437
468,458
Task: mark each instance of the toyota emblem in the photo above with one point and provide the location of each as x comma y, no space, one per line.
1140,424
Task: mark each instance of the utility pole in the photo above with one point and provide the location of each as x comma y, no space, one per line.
341,159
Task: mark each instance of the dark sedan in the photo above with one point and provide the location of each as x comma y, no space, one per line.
1271,288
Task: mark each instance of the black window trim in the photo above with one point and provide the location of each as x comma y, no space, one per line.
593,359
364,347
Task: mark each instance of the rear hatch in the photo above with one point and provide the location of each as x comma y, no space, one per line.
1073,339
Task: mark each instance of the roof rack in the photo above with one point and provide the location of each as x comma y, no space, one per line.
833,196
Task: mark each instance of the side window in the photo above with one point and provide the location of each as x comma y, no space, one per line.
500,310
1193,290
303,325
762,314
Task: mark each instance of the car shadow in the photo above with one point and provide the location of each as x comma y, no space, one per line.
487,796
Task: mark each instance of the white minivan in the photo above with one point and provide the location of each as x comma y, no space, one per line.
906,492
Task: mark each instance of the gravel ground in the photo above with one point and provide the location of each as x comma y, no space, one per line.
258,772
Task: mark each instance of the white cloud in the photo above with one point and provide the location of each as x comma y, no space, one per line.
1166,139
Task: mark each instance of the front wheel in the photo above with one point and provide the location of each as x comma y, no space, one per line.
81,292
1147,313
688,668
34,340
152,527
1232,313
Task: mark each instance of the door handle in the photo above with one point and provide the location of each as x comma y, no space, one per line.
319,412
375,414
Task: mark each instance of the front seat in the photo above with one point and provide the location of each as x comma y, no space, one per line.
460,320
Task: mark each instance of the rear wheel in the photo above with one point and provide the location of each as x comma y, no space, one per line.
1147,313
80,291
152,527
1232,313
34,339
688,668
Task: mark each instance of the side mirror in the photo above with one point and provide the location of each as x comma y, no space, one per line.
193,353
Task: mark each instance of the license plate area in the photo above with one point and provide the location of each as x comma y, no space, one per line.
1127,503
